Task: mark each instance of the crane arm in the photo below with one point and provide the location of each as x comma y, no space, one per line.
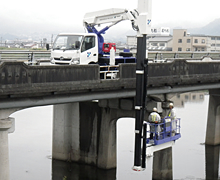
140,19
112,16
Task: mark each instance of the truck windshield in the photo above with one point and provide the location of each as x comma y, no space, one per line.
67,42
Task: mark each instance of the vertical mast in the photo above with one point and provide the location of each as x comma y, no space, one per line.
144,23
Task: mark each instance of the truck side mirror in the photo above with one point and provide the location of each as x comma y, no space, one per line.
47,46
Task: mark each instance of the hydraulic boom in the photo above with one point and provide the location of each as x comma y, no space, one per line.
140,20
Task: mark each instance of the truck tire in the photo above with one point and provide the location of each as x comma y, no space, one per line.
126,54
103,61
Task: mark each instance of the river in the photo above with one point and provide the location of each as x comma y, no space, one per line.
30,148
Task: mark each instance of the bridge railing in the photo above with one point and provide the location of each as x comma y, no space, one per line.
109,72
36,57
160,55
29,57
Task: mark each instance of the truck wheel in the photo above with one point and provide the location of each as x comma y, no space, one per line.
126,54
103,61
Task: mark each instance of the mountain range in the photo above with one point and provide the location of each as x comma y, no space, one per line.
212,29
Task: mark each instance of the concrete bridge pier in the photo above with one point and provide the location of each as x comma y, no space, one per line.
212,162
85,132
6,126
213,121
163,165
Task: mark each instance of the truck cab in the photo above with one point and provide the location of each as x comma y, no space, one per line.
72,48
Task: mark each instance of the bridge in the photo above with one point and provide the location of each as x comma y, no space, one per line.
86,107
25,86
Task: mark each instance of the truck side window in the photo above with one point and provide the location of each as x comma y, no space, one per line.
88,43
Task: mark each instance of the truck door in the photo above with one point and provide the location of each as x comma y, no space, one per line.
89,50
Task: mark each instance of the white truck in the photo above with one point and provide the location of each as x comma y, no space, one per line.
86,48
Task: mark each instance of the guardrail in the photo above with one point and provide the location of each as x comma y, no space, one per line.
186,55
29,57
37,57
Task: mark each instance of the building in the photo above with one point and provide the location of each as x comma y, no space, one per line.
159,40
180,41
183,41
160,43
180,99
154,43
213,44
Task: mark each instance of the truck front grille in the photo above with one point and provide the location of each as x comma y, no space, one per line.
62,59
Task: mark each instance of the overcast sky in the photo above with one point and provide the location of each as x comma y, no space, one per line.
21,16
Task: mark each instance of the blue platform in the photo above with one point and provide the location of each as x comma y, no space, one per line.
163,132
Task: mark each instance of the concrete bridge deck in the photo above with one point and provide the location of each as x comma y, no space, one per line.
23,85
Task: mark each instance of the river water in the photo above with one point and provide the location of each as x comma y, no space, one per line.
30,148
